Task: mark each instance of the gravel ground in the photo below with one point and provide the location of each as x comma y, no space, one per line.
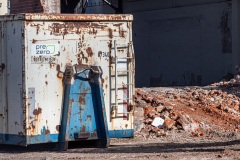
166,148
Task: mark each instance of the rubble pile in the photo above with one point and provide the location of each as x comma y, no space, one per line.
176,109
235,82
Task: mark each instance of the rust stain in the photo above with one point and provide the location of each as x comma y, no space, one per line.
37,27
37,111
64,28
78,17
34,41
81,58
102,81
94,134
93,31
82,100
58,67
83,129
110,33
118,24
89,52
125,91
47,131
58,128
100,54
89,116
122,33
110,46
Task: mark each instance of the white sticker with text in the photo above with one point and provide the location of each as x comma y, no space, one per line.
45,49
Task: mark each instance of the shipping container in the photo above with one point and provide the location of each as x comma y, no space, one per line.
65,77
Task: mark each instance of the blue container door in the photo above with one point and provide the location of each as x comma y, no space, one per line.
83,104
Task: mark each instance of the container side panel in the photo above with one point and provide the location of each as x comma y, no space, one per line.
51,46
14,65
3,79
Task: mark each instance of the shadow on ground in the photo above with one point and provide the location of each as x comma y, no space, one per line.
81,147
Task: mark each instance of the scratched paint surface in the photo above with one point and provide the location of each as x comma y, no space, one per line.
83,124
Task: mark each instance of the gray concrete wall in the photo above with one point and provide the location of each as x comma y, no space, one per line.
187,42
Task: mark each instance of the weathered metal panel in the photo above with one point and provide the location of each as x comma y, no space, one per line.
43,47
12,110
15,109
69,17
83,122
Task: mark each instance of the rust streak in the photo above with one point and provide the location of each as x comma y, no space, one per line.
37,111
47,131
82,100
83,129
110,33
58,128
89,52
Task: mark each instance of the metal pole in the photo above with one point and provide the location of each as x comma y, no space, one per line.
116,74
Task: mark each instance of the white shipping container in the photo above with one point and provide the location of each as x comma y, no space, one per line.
35,50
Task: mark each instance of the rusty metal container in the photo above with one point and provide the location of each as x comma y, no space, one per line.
69,75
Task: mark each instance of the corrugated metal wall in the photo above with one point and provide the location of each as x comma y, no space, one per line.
179,42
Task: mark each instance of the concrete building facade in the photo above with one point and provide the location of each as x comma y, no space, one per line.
182,42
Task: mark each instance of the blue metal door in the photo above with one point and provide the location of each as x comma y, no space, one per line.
87,108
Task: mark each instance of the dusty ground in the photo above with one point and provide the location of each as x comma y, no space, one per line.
220,141
167,148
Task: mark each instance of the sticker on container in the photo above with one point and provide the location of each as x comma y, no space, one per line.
45,49
43,60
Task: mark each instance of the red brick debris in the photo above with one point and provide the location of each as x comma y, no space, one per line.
194,110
